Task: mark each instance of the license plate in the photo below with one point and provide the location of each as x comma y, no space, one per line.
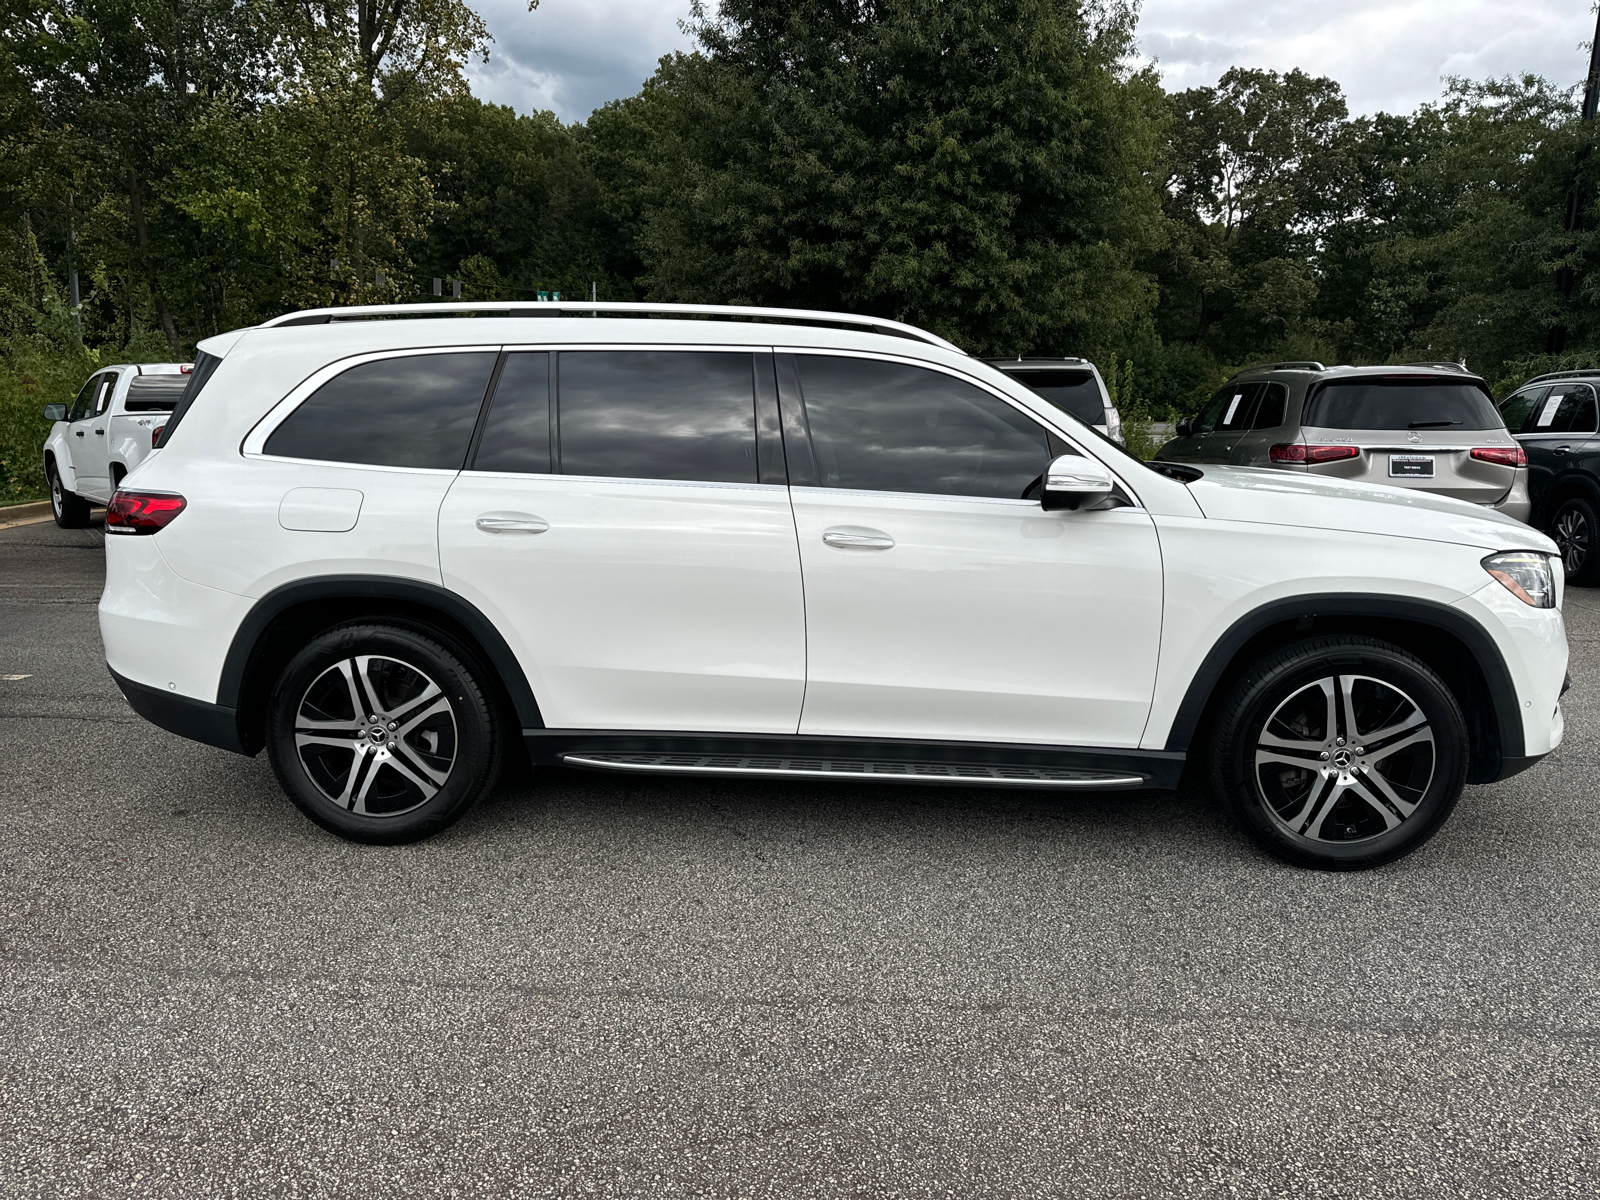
1411,466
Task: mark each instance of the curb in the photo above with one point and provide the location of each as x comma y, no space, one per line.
24,514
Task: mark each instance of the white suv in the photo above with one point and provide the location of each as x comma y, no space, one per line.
391,544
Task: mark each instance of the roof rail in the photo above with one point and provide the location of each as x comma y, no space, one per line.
541,308
1592,371
1308,365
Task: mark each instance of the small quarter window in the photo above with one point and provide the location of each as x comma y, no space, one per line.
889,427
657,414
416,410
516,436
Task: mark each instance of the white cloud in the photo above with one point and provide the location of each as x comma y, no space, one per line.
571,56
1389,55
574,55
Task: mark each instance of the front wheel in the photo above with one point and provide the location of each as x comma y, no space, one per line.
70,510
381,733
1575,527
1340,753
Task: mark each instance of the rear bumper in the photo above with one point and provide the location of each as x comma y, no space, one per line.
183,715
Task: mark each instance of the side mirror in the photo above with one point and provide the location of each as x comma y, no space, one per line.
1072,479
55,412
1184,428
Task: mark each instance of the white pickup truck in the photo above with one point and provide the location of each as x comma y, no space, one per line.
107,431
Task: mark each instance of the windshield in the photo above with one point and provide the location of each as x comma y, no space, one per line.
1402,403
1073,392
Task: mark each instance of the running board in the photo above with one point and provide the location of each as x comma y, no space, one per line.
772,766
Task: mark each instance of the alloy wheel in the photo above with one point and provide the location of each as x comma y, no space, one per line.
55,494
1573,537
1344,759
375,735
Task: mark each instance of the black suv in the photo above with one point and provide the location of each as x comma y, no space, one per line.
1553,417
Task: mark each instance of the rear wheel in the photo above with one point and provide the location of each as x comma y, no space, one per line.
70,510
1340,753
1575,528
381,733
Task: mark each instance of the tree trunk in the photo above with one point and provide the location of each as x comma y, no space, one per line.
136,209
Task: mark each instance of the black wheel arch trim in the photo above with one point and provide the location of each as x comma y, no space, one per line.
212,724
1507,710
376,587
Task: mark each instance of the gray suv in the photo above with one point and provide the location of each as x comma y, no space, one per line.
1430,426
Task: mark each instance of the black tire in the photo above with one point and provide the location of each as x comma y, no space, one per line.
434,752
1575,526
70,510
1352,805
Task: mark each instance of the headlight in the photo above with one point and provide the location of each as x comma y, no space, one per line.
1526,575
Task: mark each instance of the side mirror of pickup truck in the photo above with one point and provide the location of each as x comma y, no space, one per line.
1073,479
55,412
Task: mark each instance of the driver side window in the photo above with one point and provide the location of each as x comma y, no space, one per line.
84,405
1212,412
890,427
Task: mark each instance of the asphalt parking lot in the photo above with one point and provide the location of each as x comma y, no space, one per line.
599,986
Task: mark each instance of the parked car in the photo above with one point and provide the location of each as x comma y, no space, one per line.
1073,385
108,430
389,550
1432,427
1553,418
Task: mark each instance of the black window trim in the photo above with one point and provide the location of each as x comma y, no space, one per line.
797,430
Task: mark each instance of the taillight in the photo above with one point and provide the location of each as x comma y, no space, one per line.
155,436
141,512
1296,452
1506,456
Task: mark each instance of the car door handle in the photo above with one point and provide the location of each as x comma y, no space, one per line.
1562,449
78,432
858,538
99,433
508,524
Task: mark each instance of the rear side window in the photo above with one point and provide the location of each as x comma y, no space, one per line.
516,437
102,398
889,427
417,410
1272,407
1566,408
1075,393
205,365
657,414
155,393
1401,403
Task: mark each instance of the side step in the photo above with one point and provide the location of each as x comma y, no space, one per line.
772,766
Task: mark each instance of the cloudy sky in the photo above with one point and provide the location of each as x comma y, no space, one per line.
574,55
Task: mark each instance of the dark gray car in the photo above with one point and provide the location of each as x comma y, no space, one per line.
1429,426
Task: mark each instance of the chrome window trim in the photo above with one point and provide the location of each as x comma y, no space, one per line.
254,441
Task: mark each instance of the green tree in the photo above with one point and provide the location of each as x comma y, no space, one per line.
982,169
